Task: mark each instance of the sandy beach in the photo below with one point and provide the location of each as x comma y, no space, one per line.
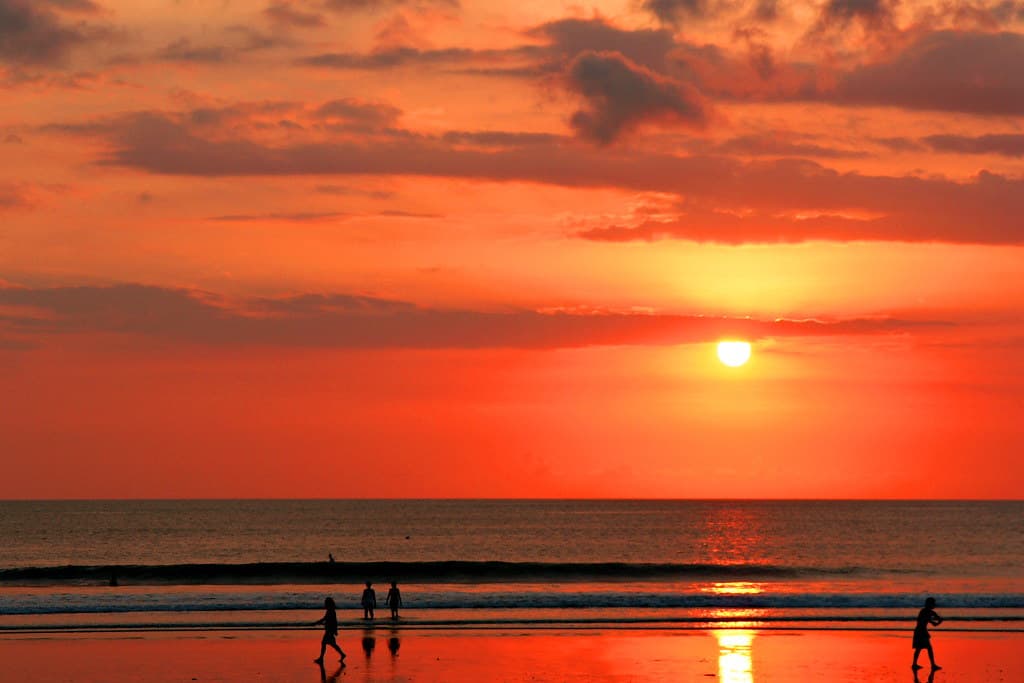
386,654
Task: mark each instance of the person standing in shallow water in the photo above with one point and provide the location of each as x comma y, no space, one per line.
394,599
369,601
330,622
923,639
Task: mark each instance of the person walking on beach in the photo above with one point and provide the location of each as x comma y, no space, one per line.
330,622
923,639
394,599
369,601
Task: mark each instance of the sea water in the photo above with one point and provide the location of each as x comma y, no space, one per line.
494,563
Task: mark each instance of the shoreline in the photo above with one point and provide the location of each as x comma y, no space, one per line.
509,654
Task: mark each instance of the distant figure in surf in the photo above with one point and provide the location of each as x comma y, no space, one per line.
330,558
922,639
394,599
330,622
369,601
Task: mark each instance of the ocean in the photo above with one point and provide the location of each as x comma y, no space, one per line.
500,563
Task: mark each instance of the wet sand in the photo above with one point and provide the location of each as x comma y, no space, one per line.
385,654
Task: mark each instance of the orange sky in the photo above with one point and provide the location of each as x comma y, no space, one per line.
333,248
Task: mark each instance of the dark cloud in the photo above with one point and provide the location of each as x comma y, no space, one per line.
239,113
395,57
286,14
765,10
301,217
959,71
379,5
1009,145
567,38
182,50
874,14
360,112
563,40
84,6
499,138
771,145
12,196
238,41
32,34
899,144
953,71
621,95
761,228
675,12
344,321
348,191
984,209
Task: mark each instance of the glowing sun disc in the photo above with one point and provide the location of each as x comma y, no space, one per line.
734,353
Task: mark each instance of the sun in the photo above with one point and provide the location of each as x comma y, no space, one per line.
734,353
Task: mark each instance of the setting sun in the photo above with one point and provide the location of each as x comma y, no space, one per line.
734,353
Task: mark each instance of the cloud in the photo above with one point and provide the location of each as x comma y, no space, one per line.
360,112
182,50
621,95
567,38
380,5
1009,145
775,144
32,34
236,43
761,228
499,138
972,72
956,71
13,196
873,14
563,40
83,6
346,321
348,191
674,12
302,217
285,14
983,209
401,56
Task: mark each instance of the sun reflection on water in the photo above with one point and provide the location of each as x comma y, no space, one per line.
734,661
733,588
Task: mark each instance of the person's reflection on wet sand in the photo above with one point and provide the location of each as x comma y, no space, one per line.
324,678
393,644
931,676
369,644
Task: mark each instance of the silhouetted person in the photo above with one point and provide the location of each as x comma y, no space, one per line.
922,639
330,558
393,645
394,599
330,622
369,601
369,643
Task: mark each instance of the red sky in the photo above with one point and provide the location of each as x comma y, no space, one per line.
333,248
